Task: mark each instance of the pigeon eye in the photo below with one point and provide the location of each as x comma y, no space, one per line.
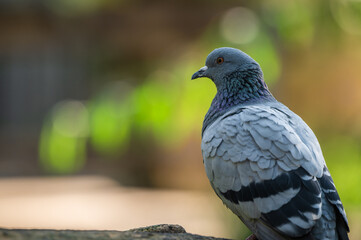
220,60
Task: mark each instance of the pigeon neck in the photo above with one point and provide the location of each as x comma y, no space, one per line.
239,91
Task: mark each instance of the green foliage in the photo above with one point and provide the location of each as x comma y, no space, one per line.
347,14
154,104
169,108
110,119
109,126
343,157
63,138
195,98
293,20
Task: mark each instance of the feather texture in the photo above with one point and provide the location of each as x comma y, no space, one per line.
264,170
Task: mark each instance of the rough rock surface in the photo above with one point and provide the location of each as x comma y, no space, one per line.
156,232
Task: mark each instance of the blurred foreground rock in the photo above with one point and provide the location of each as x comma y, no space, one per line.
162,232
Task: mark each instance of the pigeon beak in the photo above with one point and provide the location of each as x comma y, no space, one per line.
199,73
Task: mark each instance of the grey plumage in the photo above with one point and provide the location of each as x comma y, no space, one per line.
262,160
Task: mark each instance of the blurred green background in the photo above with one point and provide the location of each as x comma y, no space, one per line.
102,87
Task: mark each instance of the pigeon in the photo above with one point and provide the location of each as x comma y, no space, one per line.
262,160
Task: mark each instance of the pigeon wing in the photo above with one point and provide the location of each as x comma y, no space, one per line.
262,169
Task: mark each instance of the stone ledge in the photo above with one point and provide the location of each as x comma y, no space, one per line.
156,232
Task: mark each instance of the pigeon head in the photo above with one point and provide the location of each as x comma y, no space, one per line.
232,69
238,78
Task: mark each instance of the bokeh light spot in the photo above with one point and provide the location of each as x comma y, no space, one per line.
63,138
347,14
71,119
239,25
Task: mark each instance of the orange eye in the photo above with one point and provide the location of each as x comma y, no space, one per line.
220,60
